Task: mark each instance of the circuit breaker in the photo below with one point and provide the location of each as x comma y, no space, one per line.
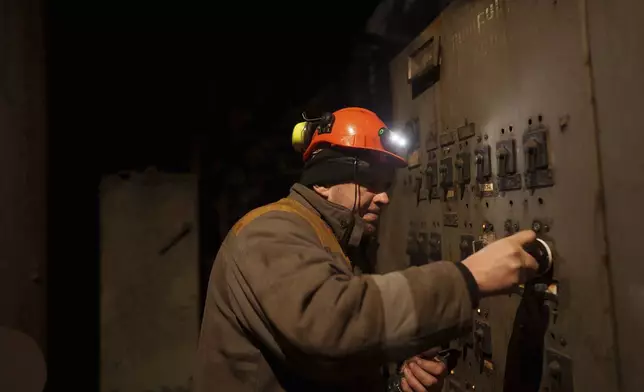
537,168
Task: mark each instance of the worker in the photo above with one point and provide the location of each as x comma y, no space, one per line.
288,310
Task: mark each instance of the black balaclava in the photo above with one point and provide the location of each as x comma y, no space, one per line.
328,167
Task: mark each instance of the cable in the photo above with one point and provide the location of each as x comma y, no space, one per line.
355,181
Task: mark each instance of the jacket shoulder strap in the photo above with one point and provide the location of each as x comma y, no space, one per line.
322,230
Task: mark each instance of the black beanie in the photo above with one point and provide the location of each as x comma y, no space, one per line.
330,167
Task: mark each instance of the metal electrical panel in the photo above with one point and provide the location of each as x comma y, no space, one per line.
509,144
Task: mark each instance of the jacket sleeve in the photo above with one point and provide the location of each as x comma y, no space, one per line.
316,309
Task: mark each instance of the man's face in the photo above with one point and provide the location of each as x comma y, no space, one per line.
368,199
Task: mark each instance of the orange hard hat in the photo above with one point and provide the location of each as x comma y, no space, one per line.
353,128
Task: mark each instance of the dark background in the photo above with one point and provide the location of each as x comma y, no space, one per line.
182,86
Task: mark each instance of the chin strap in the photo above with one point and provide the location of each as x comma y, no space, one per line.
355,231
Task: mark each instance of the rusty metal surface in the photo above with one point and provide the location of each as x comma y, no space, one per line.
615,32
149,282
509,69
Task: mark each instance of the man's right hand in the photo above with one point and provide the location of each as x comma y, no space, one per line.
502,264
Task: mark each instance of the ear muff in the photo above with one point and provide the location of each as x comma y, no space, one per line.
303,131
302,135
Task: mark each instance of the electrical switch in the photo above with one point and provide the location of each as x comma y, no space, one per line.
431,179
418,188
504,160
466,246
483,337
412,239
422,246
482,343
483,167
431,141
535,148
542,253
446,174
558,372
463,173
506,164
482,160
435,247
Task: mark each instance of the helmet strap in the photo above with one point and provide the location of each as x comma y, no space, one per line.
353,235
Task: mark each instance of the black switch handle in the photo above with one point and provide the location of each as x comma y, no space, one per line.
542,253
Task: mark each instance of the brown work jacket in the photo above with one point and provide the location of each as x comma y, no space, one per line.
287,312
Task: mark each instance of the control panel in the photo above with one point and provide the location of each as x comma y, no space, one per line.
502,141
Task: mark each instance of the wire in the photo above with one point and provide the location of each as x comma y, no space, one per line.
355,181
310,119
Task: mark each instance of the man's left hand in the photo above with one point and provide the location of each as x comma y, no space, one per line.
423,373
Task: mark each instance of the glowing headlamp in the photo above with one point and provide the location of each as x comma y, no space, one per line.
394,141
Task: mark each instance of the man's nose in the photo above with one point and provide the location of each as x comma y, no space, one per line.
381,198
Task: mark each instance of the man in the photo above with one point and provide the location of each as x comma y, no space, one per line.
288,310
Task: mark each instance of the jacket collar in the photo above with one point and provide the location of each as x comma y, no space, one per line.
347,226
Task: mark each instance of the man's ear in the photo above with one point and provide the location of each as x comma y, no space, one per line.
322,191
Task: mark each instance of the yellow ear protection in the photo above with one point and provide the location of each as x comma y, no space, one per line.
303,131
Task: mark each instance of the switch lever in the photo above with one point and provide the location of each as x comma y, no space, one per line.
419,185
542,253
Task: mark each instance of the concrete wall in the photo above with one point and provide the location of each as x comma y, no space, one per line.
23,237
149,281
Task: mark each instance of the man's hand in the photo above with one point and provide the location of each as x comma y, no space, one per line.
503,263
423,373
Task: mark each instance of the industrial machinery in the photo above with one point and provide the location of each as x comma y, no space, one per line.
498,95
